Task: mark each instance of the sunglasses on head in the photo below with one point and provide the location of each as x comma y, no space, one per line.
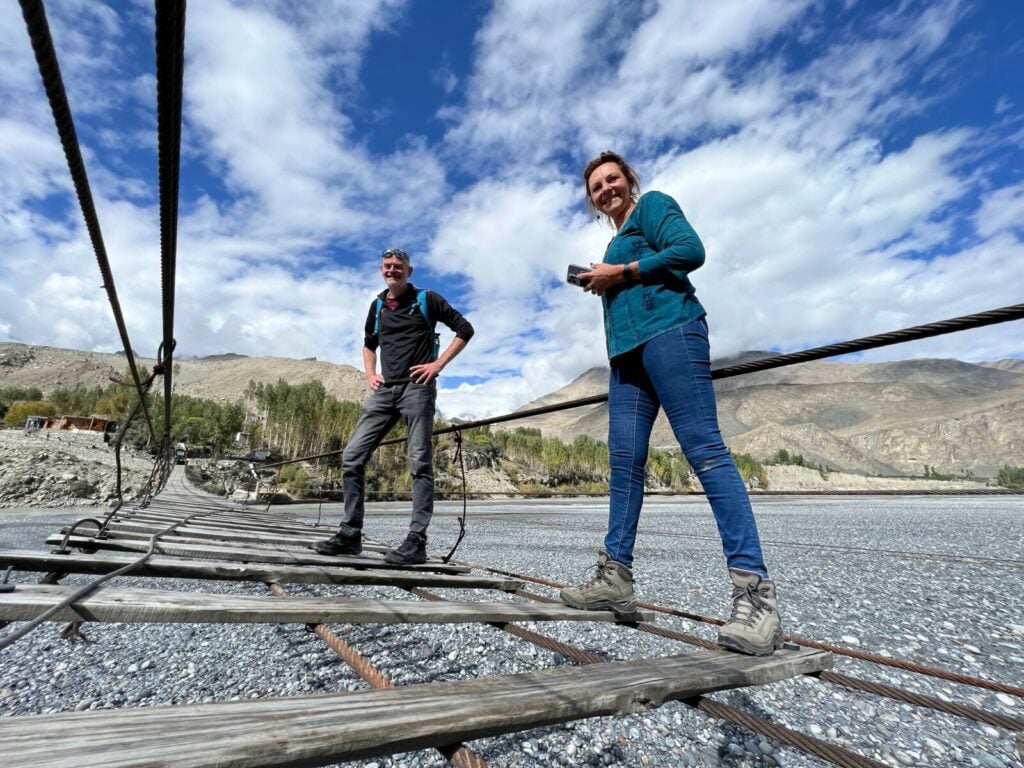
395,253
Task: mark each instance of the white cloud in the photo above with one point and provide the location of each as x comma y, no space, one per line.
817,214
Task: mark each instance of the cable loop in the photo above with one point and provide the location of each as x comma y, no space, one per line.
462,519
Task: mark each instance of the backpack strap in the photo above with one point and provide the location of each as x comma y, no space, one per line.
378,307
421,301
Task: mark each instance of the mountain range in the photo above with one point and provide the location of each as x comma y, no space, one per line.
897,418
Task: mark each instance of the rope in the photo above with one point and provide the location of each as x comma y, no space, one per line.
170,58
49,70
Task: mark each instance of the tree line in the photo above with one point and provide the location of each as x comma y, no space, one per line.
296,420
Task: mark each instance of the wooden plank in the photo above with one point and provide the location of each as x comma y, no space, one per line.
221,519
157,606
227,571
196,531
249,554
319,730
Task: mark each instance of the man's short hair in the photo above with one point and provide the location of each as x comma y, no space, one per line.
395,253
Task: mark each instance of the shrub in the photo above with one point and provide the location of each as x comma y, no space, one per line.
19,412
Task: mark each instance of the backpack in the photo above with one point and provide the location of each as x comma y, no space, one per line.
421,300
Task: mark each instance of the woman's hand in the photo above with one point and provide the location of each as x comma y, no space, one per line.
601,277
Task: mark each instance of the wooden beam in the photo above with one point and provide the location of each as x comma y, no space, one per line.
320,730
248,554
170,567
198,532
164,607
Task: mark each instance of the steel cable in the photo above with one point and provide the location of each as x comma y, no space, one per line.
170,57
909,666
809,744
49,69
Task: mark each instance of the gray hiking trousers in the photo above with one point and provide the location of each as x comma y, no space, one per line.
414,403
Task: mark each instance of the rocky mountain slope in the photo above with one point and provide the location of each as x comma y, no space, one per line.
895,418
221,378
883,418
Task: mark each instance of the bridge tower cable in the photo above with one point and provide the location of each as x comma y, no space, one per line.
49,69
170,58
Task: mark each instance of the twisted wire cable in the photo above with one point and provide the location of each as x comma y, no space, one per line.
49,70
170,58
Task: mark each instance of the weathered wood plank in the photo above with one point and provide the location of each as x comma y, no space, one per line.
220,518
227,571
198,532
249,554
158,606
319,730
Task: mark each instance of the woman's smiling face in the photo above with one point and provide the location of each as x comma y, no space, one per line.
610,191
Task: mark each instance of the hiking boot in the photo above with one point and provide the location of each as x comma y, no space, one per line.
755,626
412,551
340,544
610,589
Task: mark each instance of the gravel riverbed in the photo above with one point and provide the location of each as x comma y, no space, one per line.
932,580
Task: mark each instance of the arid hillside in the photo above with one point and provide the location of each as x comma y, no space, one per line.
222,378
908,417
892,418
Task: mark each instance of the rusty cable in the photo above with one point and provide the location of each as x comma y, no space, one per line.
831,752
1012,724
459,754
836,678
808,744
170,67
49,69
909,666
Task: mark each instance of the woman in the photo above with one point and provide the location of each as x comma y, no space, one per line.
658,349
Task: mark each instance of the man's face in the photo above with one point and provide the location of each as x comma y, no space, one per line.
396,273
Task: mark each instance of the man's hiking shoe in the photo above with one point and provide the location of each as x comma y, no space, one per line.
610,589
755,627
340,544
412,551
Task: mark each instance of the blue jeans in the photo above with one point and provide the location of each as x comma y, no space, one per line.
415,404
673,371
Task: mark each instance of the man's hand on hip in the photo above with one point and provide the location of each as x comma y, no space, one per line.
425,372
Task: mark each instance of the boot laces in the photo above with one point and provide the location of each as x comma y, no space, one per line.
748,605
597,579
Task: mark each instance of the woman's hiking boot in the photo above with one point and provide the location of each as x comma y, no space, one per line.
412,551
341,544
610,589
755,627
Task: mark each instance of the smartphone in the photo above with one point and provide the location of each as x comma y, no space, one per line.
573,275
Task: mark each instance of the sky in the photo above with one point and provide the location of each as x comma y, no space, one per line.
851,167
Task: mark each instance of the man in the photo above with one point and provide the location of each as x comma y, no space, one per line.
401,323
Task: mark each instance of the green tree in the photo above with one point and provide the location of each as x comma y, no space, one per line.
1011,477
19,412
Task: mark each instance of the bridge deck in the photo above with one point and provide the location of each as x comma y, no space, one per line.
319,730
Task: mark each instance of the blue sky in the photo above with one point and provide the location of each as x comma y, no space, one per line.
852,167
